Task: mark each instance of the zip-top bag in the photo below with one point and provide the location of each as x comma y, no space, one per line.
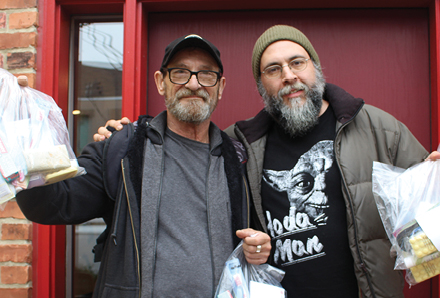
408,202
243,280
34,141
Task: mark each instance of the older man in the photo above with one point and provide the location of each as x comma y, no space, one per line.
175,203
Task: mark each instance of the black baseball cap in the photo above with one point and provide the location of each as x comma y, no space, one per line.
189,41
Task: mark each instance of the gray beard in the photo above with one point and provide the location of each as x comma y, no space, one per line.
195,111
297,119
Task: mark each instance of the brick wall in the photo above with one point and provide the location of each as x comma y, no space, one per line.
18,41
18,37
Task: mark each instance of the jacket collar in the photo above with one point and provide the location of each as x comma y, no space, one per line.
345,107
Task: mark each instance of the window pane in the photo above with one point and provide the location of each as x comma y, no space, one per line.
97,98
98,78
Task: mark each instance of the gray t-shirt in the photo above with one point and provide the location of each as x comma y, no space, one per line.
183,262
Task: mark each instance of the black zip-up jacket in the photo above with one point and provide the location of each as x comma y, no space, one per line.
111,190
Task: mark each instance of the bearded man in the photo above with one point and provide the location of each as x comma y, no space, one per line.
171,191
311,152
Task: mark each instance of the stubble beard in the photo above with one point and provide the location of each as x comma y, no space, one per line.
191,111
298,118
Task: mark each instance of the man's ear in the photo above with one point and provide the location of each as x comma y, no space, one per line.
160,84
221,87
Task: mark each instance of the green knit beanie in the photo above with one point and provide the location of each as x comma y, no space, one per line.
276,33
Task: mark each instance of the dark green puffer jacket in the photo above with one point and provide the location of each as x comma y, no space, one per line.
363,134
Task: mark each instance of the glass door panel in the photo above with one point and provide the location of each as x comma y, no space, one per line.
96,96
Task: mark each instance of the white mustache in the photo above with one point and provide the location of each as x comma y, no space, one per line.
187,92
289,88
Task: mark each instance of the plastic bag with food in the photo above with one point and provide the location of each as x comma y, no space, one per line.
409,205
243,280
34,141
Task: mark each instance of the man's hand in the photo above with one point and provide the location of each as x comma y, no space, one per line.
256,245
104,133
433,156
23,81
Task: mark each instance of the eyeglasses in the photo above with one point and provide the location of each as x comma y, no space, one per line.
181,76
296,65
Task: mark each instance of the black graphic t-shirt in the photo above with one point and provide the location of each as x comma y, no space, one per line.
306,212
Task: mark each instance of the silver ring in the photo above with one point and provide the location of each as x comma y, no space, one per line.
258,249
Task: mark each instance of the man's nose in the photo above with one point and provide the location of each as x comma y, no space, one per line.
193,83
287,74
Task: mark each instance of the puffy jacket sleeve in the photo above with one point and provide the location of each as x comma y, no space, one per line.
71,201
408,150
375,135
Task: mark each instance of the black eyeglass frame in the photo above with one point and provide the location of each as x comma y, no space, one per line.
196,73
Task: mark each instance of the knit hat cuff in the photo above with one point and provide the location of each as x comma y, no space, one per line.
276,33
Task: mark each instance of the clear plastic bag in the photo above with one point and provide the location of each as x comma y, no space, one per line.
408,202
243,280
34,141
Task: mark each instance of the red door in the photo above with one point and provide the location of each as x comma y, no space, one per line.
380,55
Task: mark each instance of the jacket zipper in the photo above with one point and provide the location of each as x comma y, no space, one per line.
362,264
132,228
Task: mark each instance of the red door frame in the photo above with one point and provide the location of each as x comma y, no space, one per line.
53,68
434,28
